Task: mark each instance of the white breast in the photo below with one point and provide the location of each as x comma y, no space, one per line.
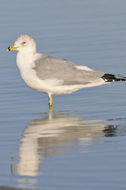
25,64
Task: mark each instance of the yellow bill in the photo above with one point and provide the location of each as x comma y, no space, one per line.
11,48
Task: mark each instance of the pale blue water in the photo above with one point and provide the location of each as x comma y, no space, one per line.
82,145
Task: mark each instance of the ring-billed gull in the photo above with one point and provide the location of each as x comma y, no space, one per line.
52,75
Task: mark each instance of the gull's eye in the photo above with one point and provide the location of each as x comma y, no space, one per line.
23,43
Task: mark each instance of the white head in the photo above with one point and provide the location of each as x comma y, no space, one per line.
24,43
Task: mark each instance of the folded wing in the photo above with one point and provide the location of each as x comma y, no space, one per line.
49,67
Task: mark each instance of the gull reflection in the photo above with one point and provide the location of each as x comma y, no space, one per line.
51,135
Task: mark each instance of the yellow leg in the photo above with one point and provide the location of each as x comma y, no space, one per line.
50,103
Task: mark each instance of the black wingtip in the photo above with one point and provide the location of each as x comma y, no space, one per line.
113,78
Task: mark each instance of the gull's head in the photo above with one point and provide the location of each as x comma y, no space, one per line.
24,43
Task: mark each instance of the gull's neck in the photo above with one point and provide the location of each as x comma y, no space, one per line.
25,58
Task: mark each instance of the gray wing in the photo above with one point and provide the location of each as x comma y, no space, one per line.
49,67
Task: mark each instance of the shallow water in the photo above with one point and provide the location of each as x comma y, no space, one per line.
81,145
